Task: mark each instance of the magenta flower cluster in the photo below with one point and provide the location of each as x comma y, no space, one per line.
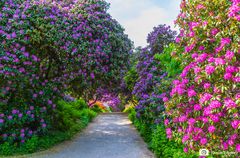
203,110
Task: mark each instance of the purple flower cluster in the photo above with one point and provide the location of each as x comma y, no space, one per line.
160,37
150,101
234,10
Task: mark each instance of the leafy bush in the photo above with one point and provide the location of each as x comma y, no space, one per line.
169,62
87,115
69,113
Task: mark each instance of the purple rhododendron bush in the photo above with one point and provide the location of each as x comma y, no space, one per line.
50,48
150,73
203,110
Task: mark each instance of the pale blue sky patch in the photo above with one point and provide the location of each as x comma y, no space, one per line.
138,17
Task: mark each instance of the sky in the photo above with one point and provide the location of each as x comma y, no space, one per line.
138,17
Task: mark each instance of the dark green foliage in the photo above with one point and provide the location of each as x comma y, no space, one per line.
32,144
5,148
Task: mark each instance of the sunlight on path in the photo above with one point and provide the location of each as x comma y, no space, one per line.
109,136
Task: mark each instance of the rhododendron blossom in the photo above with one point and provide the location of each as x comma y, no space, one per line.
209,69
212,69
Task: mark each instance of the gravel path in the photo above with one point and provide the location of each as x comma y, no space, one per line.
109,136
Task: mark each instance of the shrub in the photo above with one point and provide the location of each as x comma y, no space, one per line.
169,61
150,75
204,108
87,115
46,50
69,113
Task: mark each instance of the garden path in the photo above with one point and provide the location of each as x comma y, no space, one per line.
110,135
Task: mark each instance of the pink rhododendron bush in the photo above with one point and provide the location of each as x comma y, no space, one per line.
203,110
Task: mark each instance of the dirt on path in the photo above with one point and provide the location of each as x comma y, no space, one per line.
110,135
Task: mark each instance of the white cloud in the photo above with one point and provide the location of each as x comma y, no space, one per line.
139,27
138,17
